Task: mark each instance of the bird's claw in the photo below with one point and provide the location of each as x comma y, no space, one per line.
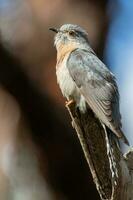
68,103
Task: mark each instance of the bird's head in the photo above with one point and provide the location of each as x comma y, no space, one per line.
70,34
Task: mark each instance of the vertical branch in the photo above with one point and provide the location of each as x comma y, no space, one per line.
106,162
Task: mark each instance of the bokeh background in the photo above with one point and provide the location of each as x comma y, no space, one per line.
40,155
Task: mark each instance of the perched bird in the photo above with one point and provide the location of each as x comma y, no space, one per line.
84,78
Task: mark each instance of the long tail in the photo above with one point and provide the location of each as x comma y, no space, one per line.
123,137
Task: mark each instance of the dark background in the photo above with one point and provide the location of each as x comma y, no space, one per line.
41,157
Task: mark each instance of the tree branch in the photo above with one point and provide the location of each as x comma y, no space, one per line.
111,171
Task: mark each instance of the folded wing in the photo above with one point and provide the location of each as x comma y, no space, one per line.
97,84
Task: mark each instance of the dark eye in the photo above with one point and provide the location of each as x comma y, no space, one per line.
72,33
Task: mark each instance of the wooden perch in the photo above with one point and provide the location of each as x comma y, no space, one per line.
112,171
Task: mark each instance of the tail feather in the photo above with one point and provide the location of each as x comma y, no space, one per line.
124,139
119,133
122,136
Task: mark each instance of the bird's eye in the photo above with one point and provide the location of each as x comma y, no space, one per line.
72,33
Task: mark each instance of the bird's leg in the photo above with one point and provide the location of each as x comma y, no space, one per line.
69,102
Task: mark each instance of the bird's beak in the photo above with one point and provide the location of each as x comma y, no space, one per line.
54,29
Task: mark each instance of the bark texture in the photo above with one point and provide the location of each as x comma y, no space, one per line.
112,171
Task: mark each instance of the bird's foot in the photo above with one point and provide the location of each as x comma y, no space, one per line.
68,103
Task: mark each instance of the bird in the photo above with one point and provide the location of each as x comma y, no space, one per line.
84,79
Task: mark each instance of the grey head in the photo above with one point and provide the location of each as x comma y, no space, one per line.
70,33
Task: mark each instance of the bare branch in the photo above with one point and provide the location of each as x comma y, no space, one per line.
111,171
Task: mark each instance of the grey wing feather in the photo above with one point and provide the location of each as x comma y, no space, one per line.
97,84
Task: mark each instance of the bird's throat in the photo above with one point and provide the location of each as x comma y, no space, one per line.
62,50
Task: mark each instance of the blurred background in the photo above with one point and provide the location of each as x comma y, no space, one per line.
40,155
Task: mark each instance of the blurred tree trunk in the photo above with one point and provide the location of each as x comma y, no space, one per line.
40,138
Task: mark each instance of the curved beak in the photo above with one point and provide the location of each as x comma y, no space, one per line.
54,29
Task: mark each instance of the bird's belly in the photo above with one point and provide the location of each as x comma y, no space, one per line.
67,85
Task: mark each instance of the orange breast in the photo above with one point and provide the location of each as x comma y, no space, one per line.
64,50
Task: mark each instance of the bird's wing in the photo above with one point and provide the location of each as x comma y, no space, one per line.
97,84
